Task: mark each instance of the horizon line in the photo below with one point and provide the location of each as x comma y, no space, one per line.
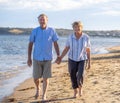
65,28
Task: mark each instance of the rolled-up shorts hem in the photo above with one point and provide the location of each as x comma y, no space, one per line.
42,69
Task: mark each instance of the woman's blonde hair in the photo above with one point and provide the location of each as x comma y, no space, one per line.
78,23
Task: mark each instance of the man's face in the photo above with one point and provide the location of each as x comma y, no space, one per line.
43,21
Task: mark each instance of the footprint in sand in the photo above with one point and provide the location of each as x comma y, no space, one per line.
116,93
26,89
11,100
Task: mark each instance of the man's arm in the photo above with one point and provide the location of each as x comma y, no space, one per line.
29,61
57,48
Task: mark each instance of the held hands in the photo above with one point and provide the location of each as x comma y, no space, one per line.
58,60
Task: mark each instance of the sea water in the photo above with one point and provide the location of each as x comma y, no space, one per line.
13,58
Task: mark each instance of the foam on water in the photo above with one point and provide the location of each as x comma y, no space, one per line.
8,85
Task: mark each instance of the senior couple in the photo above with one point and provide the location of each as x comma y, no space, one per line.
78,45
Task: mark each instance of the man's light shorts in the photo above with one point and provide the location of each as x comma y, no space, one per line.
42,69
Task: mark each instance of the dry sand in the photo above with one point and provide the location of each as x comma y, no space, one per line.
101,83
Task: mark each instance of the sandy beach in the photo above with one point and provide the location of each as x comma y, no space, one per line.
101,83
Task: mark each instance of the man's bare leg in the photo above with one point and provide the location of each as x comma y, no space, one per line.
45,86
36,81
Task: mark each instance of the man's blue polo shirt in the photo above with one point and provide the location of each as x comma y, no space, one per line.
43,39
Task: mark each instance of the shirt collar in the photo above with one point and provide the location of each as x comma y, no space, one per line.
44,29
73,36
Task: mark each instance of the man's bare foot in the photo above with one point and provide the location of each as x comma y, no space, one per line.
37,94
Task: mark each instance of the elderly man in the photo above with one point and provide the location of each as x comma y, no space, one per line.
42,38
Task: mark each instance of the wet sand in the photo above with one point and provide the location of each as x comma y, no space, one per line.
101,83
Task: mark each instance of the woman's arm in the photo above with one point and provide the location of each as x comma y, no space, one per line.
89,58
64,52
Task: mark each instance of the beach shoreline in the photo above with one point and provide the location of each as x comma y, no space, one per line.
101,82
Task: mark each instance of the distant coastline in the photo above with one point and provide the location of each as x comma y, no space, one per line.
61,32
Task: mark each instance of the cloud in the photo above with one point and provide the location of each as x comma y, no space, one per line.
108,12
112,9
48,5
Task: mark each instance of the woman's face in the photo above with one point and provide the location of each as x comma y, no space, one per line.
77,29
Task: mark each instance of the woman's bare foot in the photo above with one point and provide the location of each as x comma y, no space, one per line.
80,91
75,93
44,98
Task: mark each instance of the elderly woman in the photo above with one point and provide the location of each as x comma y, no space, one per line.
78,45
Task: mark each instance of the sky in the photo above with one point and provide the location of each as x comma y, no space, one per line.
94,14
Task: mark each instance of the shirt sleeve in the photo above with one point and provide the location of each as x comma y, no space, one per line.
88,42
68,42
55,36
32,36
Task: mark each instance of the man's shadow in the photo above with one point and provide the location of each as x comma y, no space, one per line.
52,100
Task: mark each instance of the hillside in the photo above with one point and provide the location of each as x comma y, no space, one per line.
15,30
61,32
